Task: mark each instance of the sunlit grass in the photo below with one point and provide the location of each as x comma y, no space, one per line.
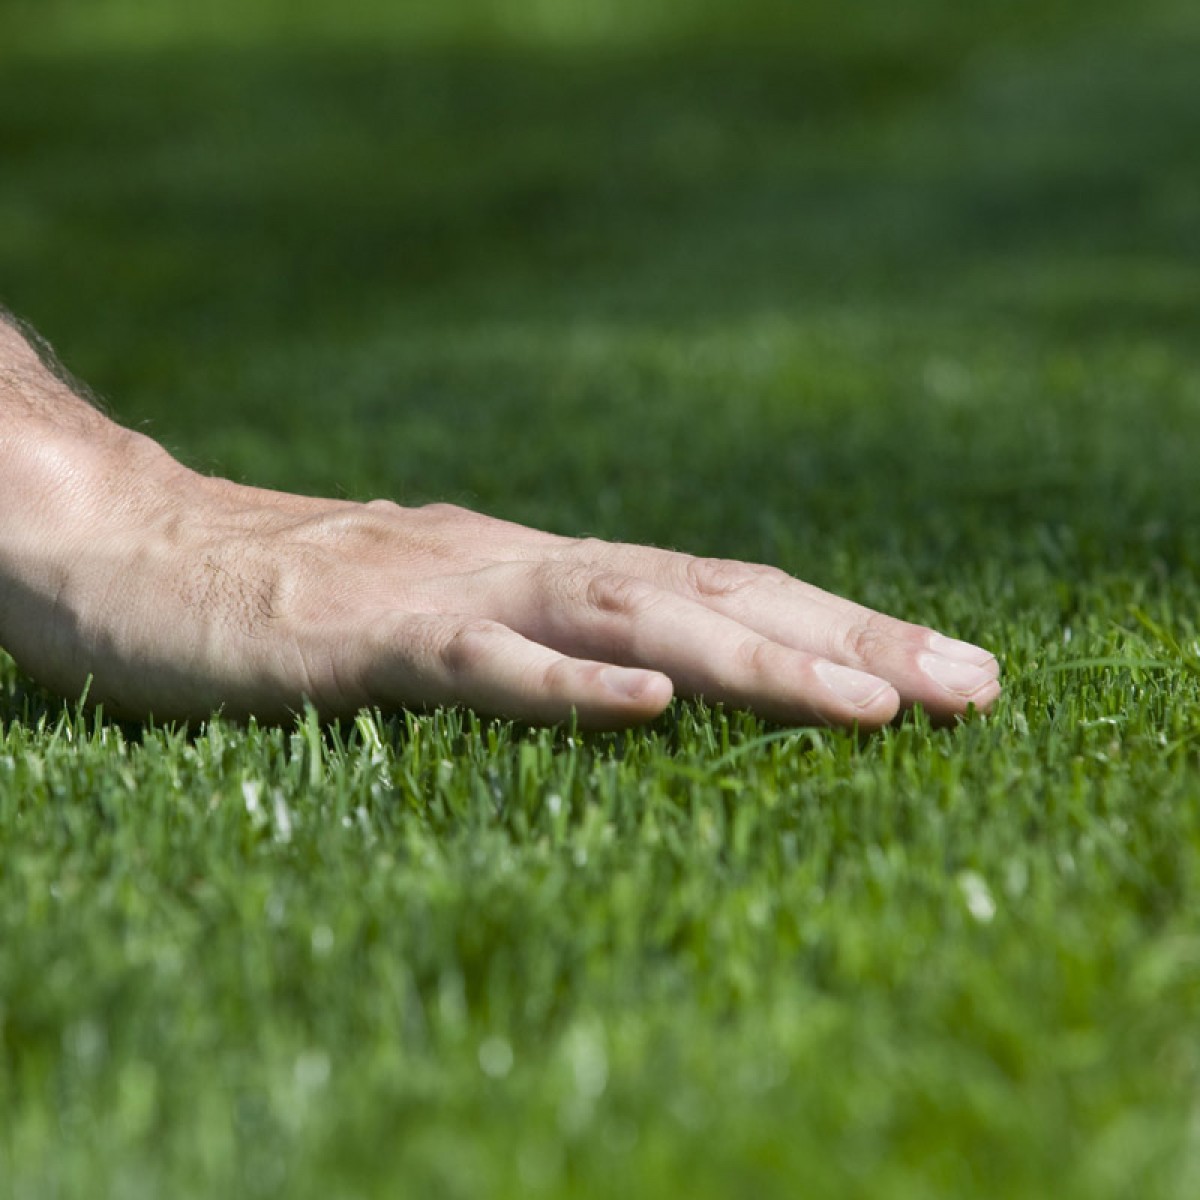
907,308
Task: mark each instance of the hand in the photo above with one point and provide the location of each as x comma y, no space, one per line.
182,595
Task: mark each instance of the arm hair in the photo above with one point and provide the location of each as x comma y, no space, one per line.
17,374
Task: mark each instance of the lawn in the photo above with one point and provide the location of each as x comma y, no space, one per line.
902,298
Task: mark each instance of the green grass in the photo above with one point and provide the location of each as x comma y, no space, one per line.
906,304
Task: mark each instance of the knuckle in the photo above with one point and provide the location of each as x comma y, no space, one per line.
719,577
585,552
757,656
590,548
387,509
621,595
345,528
557,678
444,511
865,640
468,645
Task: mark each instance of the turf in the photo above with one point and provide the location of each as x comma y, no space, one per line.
903,301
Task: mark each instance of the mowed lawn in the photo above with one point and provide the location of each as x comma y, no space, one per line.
903,298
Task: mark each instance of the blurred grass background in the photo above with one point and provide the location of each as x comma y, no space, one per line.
494,239
491,235
901,297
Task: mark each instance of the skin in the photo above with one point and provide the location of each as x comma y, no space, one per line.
179,595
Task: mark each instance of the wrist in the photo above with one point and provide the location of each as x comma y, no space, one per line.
54,479
69,499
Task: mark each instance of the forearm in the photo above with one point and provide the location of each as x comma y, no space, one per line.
54,444
52,440
61,464
35,392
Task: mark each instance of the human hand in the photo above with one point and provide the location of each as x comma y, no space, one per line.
180,595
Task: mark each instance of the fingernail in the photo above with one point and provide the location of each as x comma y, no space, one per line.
964,678
856,686
630,685
967,652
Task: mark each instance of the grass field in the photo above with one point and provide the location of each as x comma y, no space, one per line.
903,298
